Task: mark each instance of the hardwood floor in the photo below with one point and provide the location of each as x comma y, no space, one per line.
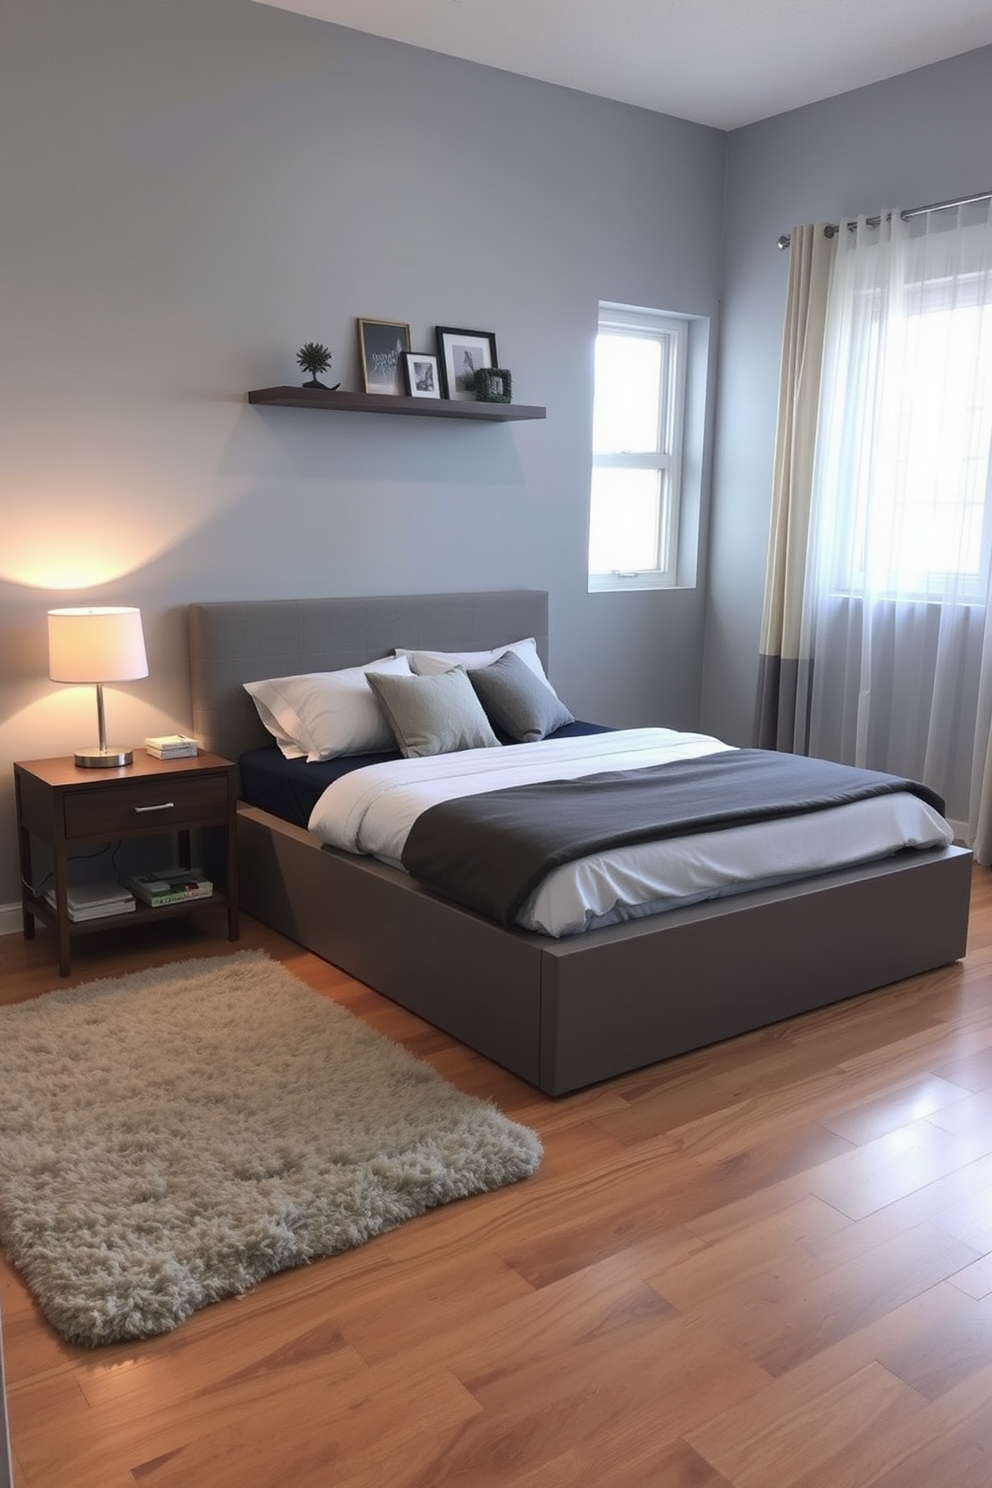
764,1265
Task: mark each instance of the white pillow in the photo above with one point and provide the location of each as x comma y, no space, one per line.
321,715
429,663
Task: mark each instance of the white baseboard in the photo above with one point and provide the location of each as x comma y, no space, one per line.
10,918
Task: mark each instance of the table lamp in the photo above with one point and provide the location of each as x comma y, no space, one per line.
97,645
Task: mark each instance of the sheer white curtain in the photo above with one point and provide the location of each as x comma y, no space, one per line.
896,612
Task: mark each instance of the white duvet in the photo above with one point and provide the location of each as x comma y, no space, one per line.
371,811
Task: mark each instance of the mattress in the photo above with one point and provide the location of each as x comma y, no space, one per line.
371,810
290,789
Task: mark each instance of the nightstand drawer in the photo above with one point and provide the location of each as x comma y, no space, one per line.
145,805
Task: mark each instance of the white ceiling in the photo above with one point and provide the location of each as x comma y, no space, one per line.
719,62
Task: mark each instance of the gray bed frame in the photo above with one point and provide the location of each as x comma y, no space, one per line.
562,1014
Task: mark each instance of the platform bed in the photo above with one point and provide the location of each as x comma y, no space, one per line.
562,1014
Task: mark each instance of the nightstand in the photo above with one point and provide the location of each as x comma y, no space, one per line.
65,806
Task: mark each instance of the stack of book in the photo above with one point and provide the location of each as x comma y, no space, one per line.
171,746
174,887
94,901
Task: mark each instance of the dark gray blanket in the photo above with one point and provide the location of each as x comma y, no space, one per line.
490,851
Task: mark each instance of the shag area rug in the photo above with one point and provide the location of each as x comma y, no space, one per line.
172,1137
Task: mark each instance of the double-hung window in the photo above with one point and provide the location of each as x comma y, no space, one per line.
638,412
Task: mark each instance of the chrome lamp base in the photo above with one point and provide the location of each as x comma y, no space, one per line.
103,757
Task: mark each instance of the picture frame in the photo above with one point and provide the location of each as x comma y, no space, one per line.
494,385
382,344
422,374
461,354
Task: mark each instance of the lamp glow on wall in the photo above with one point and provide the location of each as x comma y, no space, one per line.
97,645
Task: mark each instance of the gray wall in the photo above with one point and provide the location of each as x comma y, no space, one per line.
189,191
914,139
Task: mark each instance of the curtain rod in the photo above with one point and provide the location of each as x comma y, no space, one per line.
832,229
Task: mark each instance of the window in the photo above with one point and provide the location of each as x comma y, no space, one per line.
906,434
638,412
925,533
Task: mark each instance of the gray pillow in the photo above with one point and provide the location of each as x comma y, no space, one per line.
433,715
517,701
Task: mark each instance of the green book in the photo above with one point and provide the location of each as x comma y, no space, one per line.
176,889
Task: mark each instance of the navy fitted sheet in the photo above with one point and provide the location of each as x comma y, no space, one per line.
290,789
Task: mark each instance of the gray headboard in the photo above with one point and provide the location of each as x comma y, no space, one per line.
236,641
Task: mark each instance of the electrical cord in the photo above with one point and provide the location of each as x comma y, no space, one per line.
110,848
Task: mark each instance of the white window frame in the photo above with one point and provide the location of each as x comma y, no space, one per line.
672,334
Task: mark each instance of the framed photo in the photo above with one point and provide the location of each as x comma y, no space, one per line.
382,345
462,354
423,380
494,385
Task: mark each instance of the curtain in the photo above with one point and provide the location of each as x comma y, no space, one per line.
777,725
895,591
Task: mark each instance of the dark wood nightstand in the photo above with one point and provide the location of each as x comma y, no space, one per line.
66,806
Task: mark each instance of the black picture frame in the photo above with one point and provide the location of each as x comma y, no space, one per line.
422,374
382,345
455,349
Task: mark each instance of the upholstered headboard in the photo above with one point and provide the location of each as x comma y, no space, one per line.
236,641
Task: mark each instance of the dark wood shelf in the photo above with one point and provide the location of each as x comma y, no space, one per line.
43,911
299,397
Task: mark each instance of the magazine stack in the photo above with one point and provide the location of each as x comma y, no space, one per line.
95,901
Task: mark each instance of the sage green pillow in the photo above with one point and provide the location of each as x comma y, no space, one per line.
517,701
433,715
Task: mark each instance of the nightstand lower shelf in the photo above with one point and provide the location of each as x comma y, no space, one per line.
140,915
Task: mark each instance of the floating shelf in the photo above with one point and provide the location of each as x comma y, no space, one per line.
298,397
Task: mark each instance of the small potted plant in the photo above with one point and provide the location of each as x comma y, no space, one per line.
314,358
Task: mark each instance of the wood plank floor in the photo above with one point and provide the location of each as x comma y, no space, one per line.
764,1265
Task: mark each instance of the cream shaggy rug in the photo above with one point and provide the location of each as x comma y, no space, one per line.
170,1138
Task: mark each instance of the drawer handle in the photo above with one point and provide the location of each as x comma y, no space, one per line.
165,806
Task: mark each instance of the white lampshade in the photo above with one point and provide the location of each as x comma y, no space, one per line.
97,645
